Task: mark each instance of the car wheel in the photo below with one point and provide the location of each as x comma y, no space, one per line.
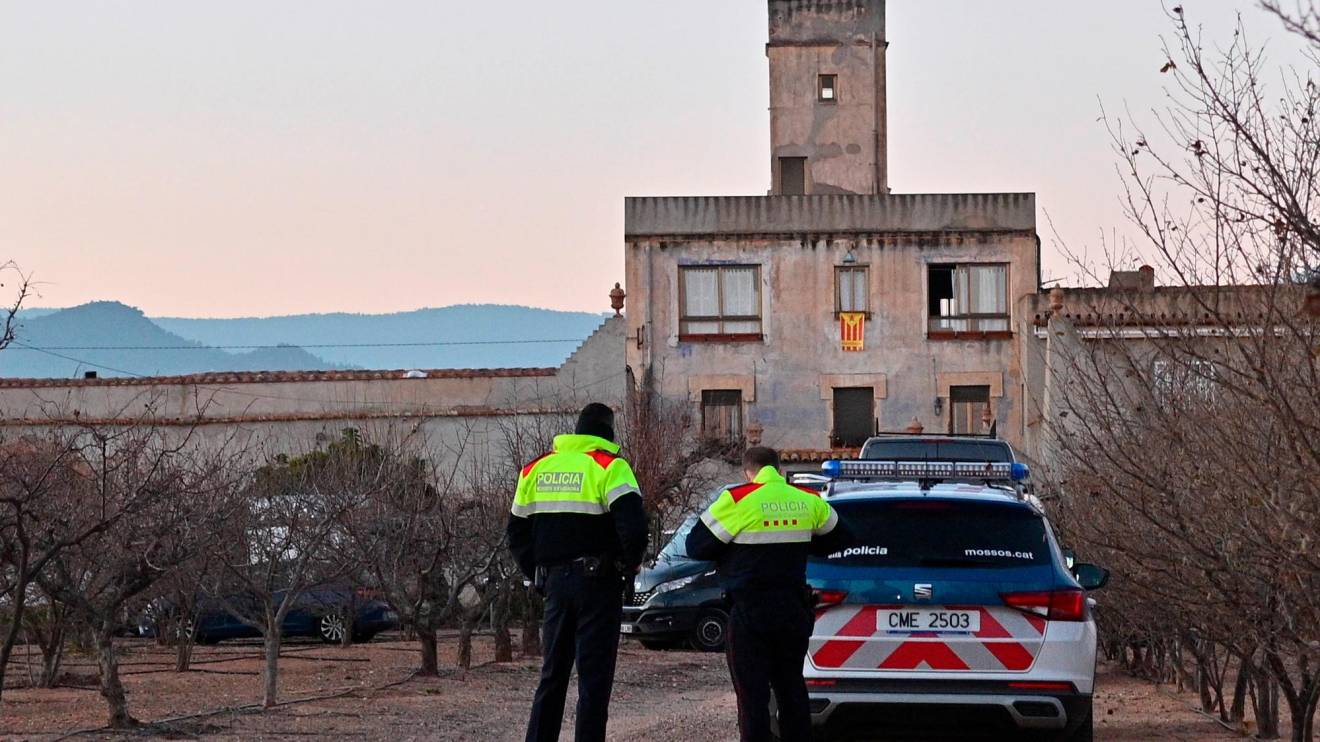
331,629
1085,732
708,635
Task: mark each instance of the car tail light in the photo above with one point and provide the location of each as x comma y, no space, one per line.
827,599
1060,687
1055,605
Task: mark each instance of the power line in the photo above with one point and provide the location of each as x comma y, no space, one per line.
228,389
436,344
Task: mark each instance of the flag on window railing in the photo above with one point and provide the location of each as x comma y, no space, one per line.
852,330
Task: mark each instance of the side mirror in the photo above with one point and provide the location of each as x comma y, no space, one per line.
1091,577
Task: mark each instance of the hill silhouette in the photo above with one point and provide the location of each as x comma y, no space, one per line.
464,336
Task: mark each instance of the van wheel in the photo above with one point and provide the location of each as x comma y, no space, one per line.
709,633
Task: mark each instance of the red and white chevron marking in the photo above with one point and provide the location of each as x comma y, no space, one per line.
848,638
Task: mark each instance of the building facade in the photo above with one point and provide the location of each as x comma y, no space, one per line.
830,309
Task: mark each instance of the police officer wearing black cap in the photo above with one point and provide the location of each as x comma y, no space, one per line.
579,531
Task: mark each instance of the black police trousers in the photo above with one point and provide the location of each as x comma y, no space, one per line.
582,616
767,642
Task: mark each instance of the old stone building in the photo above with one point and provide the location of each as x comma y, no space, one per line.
830,309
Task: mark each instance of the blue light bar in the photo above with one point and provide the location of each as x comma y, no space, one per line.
916,470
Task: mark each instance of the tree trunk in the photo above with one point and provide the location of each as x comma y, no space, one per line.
11,636
500,622
531,633
465,640
183,649
272,671
112,690
1308,715
1238,712
51,644
430,657
1267,706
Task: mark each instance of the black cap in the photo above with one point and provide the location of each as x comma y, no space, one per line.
596,419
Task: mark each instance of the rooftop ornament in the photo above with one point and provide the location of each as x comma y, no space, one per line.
617,296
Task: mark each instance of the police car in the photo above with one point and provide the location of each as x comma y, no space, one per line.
952,611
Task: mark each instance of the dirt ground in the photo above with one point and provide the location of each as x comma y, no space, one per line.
679,696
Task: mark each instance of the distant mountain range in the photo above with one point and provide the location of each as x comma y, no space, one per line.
114,339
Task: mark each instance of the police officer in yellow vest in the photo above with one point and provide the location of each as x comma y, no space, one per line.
760,535
579,532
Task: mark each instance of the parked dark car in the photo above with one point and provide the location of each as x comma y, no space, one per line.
967,448
319,612
677,600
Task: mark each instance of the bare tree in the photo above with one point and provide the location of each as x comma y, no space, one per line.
32,471
285,537
149,503
1186,420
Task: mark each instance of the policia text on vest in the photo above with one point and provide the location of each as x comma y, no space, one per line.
760,535
578,530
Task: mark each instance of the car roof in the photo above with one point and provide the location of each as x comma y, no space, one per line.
855,491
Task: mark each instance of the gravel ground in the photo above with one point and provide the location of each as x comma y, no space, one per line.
679,696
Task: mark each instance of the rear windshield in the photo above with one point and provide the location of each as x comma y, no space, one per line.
909,450
940,533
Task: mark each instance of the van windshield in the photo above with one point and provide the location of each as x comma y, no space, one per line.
676,549
940,533
937,450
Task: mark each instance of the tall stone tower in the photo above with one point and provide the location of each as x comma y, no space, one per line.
827,97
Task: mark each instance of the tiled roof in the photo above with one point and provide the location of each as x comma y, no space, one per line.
293,417
808,456
281,377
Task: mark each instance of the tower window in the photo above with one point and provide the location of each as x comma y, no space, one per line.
793,176
828,88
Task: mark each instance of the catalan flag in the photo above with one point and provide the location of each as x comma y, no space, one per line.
852,330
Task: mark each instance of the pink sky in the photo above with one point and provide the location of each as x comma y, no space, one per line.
254,158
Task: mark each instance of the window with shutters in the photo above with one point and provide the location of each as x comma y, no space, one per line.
852,289
968,299
722,415
720,302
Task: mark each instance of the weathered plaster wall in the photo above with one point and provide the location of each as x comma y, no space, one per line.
801,350
286,411
844,140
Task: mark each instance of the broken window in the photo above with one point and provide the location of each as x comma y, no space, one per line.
854,416
968,298
721,415
828,88
852,289
720,300
793,176
968,408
